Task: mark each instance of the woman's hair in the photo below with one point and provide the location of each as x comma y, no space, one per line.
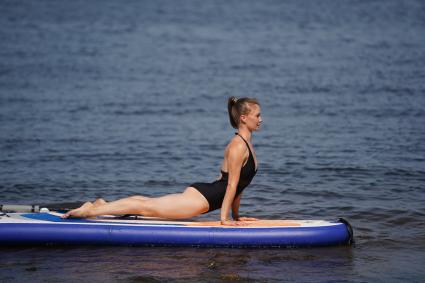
237,107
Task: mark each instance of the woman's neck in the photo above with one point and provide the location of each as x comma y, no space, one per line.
245,133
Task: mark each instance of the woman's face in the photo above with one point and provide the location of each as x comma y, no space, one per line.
253,119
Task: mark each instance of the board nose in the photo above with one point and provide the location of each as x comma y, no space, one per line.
350,230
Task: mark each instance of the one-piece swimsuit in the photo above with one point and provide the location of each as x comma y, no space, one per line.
214,192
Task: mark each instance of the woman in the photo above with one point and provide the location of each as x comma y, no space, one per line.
238,168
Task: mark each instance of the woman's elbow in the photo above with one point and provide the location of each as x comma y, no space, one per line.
231,187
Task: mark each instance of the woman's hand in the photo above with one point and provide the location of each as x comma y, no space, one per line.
232,223
248,219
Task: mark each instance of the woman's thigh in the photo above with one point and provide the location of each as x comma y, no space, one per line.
188,204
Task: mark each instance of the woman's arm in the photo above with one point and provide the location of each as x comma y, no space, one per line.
235,207
235,210
235,159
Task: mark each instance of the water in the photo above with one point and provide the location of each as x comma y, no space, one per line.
107,98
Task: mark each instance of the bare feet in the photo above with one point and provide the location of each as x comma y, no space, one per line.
99,201
81,212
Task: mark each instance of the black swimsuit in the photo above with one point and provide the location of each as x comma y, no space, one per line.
214,192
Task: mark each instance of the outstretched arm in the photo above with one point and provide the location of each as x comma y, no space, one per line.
235,210
235,207
235,159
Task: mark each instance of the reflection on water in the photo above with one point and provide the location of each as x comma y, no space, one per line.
165,264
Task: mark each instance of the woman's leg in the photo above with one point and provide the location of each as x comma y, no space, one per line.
101,201
139,197
175,206
121,206
188,204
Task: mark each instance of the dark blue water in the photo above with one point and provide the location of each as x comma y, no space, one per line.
115,98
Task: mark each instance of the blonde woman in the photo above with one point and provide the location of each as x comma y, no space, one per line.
238,168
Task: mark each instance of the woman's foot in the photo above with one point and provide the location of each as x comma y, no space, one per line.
99,201
81,212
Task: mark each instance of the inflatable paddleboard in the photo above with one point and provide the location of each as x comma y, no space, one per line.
50,228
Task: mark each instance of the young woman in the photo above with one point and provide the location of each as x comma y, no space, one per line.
237,170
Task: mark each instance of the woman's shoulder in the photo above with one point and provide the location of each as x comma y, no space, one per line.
236,145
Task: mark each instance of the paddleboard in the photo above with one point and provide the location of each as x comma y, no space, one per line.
49,228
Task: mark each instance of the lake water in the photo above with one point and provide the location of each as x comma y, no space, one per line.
116,98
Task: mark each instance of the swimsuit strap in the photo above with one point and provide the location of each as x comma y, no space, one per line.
245,143
250,152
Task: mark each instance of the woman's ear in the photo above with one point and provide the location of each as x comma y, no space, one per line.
242,118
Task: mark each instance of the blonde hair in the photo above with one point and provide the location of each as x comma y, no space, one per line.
237,107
